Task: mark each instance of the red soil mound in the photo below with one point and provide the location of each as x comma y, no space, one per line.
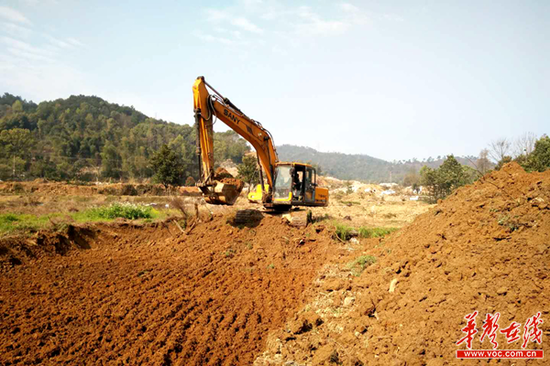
157,296
485,248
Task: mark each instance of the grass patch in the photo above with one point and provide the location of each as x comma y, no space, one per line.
358,265
343,232
317,219
130,211
12,223
376,232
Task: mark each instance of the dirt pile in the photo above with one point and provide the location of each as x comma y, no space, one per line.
155,295
485,248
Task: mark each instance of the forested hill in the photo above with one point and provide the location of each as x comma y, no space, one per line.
342,166
359,167
88,138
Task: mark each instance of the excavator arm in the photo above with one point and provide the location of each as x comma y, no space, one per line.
210,106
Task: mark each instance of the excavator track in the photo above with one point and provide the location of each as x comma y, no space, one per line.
248,217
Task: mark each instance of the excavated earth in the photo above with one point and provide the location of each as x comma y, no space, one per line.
271,294
131,294
485,248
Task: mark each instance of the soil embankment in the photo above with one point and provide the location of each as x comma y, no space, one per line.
485,248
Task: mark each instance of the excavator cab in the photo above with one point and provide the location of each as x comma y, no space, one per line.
282,189
296,185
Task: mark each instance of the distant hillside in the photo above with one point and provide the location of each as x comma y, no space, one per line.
359,167
88,138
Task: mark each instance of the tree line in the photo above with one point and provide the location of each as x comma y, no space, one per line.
85,138
530,152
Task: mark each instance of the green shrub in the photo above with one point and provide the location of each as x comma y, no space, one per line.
129,211
375,232
440,182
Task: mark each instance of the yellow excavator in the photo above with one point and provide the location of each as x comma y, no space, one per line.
288,183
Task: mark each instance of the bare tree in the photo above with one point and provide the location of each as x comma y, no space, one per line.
483,163
525,144
500,148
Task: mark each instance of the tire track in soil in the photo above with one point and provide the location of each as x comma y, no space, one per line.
145,296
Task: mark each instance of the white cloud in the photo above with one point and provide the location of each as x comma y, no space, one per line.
214,15
30,60
393,17
287,21
40,2
220,29
211,38
75,42
217,16
25,50
230,26
279,51
57,42
66,43
39,80
251,3
270,13
353,14
349,7
13,15
245,24
315,25
16,30
27,55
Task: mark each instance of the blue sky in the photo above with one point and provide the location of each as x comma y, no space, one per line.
391,79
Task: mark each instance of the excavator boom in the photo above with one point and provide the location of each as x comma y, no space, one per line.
210,106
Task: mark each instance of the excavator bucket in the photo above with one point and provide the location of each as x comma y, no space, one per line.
225,189
223,193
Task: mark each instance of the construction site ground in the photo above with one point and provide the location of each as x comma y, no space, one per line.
267,293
